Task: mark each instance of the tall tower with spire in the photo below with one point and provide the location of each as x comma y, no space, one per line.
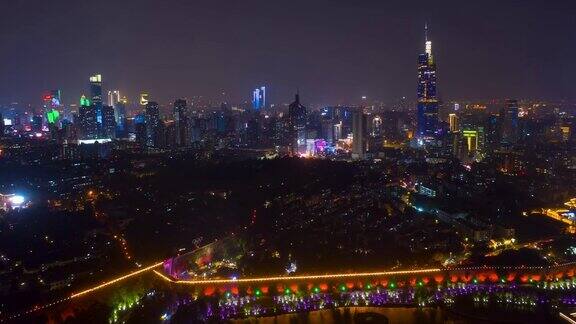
297,115
427,96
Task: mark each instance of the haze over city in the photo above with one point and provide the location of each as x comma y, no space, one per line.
333,51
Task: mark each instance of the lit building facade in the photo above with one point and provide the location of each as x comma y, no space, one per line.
108,122
453,121
153,124
121,116
474,144
87,117
144,99
96,97
113,97
358,134
427,118
259,98
510,122
297,115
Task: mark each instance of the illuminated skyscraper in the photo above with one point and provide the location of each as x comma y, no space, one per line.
87,119
259,98
509,119
358,134
427,95
143,99
152,124
453,120
120,115
52,111
474,144
297,126
108,122
113,97
56,98
84,101
52,101
376,129
52,116
96,94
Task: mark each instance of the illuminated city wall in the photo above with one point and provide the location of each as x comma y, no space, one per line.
182,266
390,279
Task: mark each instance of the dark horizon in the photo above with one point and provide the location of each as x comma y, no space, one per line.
334,52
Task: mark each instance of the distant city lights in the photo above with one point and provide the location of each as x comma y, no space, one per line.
16,200
12,201
93,141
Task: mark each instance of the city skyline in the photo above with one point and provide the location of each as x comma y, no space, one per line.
372,54
303,161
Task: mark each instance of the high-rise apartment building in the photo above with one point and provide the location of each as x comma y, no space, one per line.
181,122
152,124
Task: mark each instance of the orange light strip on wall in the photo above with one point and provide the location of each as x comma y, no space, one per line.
304,277
163,276
113,281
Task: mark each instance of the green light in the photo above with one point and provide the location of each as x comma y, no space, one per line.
258,292
343,288
228,294
287,291
475,280
85,102
52,116
316,289
420,283
502,280
369,286
392,285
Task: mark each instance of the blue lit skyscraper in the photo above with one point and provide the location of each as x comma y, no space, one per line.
427,94
96,94
259,98
120,114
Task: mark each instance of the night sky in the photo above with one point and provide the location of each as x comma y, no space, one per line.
333,51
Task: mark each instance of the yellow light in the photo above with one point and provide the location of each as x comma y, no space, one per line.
144,99
96,78
113,281
161,275
305,277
